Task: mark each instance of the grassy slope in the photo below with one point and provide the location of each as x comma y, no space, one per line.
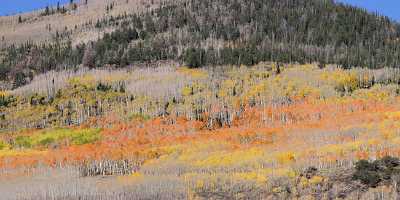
34,26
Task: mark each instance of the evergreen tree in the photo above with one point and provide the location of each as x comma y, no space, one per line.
194,57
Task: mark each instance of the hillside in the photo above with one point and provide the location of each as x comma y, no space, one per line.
181,133
76,20
210,33
211,99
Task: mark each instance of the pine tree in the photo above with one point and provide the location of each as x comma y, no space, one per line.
88,59
58,6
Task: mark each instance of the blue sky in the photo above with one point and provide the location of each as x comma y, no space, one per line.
390,8
8,7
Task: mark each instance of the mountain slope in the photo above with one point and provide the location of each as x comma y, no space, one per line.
117,116
177,133
78,18
218,33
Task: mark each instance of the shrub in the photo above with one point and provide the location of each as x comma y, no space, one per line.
57,136
103,87
85,137
389,162
5,100
3,145
194,57
46,141
19,80
23,141
373,173
370,178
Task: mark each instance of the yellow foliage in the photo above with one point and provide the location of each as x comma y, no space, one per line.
4,145
334,149
164,154
388,134
377,92
290,173
388,129
304,182
373,142
290,88
195,73
137,175
228,83
393,115
341,149
256,90
200,183
286,158
85,81
4,94
226,88
396,140
252,176
353,146
243,157
117,77
195,151
277,190
343,80
307,91
186,91
316,180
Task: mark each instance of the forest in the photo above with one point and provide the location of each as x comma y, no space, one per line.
214,33
211,99
174,132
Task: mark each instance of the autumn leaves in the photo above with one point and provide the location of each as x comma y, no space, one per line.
236,124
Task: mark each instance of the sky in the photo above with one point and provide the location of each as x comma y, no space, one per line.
390,8
9,7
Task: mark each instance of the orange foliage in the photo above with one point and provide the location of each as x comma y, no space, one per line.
272,127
